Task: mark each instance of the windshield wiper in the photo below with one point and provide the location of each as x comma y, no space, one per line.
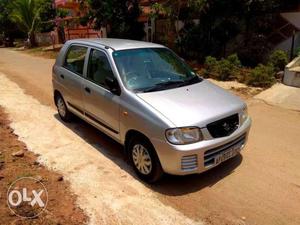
193,80
173,84
163,85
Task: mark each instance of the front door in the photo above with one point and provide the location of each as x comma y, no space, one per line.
101,106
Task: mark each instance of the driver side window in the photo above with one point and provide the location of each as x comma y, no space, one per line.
99,68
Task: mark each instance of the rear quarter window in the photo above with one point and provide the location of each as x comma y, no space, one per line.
75,57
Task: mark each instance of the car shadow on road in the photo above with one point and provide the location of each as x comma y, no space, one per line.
181,185
100,141
169,185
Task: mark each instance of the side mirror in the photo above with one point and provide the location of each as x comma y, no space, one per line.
113,85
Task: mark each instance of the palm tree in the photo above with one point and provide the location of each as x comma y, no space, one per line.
26,13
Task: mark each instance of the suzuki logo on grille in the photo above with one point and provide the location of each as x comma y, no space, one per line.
226,126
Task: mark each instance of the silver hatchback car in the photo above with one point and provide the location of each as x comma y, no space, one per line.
147,98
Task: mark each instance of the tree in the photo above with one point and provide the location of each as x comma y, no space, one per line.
119,16
26,13
7,26
218,22
224,27
47,15
16,18
175,10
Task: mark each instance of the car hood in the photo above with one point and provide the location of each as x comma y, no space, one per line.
194,105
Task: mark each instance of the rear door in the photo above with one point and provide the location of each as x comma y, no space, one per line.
71,76
101,106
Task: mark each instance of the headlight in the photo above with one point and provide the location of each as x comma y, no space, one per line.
244,115
186,135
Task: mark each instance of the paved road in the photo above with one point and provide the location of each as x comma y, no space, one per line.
260,187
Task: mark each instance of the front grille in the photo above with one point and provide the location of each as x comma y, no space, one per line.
223,127
209,155
189,162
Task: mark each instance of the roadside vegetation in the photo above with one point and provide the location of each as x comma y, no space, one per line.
231,68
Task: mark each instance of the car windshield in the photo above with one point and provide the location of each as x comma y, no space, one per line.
153,69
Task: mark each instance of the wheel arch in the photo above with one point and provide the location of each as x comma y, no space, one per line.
158,171
132,133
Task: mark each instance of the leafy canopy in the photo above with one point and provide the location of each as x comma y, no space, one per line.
7,27
26,14
119,16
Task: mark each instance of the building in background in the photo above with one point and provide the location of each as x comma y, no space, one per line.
155,28
286,35
70,25
292,73
292,43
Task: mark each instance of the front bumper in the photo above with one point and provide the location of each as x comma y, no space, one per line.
201,156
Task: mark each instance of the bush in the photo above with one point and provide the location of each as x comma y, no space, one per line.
243,74
279,59
210,66
231,68
224,69
261,76
234,60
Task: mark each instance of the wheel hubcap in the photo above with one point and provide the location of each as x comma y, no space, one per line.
141,159
61,107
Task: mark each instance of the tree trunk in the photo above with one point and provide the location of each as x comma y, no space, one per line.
32,40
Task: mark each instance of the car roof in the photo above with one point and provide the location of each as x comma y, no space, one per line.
116,44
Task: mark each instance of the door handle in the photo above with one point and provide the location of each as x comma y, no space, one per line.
62,76
88,90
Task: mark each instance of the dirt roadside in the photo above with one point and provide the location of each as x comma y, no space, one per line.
260,187
282,95
60,210
242,90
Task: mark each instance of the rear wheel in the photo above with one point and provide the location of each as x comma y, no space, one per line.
144,160
62,109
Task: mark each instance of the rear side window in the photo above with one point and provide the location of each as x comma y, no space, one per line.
75,59
99,68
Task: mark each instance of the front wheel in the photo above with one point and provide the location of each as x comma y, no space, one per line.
144,160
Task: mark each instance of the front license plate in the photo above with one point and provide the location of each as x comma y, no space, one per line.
227,155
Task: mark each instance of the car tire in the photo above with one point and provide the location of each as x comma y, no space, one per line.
144,160
62,109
